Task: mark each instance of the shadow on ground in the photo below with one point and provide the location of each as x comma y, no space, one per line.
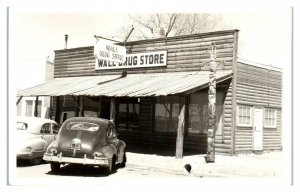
78,170
26,163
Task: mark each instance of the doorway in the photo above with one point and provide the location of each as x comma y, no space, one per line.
258,129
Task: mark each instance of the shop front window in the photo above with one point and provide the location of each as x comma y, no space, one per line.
128,114
167,110
198,113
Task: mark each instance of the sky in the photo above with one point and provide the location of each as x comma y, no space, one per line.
264,37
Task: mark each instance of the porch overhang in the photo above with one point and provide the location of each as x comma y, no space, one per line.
130,85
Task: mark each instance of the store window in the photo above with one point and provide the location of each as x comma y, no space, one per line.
29,108
244,114
91,114
167,110
270,118
128,114
198,113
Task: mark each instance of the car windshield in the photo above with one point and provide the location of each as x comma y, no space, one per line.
21,126
82,126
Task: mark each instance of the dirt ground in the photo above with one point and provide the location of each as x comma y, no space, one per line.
267,164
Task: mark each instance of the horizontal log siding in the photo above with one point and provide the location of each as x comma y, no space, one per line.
223,142
272,138
259,87
243,139
186,53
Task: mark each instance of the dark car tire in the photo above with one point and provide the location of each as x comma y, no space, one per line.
112,167
55,166
35,161
123,163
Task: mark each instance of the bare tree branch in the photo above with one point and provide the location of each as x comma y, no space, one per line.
176,23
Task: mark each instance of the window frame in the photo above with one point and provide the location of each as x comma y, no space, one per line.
275,118
251,116
43,129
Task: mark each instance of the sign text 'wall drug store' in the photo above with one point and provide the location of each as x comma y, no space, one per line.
137,60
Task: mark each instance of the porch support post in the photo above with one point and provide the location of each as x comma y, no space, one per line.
210,156
180,134
36,106
20,98
81,103
57,109
100,106
113,109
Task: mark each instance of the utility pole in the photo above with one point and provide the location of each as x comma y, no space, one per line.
210,156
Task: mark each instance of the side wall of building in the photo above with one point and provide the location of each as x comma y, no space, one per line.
259,87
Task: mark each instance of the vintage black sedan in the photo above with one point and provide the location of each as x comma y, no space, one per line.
88,141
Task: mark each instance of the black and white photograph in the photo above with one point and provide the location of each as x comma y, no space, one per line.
149,96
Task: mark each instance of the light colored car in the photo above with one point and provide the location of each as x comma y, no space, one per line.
33,137
87,141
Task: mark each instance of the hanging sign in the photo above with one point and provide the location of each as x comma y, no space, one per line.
109,52
138,60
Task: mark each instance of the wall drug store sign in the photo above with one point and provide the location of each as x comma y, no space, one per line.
137,60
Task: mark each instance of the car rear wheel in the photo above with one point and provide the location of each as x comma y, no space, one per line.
123,163
54,166
112,167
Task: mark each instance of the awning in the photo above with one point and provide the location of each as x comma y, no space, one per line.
131,85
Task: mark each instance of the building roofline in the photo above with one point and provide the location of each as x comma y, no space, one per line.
163,39
261,65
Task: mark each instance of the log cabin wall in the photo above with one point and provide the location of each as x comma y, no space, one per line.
223,141
184,53
259,87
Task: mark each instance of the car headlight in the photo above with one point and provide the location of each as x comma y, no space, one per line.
98,154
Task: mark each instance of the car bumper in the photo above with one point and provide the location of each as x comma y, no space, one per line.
85,161
30,154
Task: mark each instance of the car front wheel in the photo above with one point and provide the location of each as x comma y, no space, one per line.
123,163
54,166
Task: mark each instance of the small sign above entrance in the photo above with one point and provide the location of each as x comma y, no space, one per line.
109,52
138,60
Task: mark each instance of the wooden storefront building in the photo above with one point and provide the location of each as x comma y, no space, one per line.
145,102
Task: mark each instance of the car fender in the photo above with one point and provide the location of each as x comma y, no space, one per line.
52,145
37,144
107,150
122,145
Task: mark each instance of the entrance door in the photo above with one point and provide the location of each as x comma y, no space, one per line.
258,129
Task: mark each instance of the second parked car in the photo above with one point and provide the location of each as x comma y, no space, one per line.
33,137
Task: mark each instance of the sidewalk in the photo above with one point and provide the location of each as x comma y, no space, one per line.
267,164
